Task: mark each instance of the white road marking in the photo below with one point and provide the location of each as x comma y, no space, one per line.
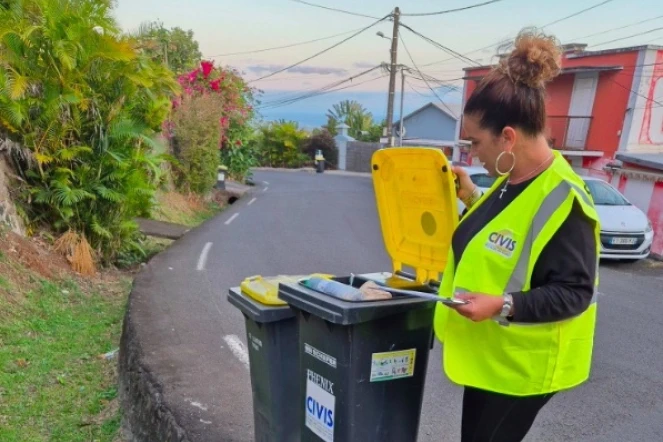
199,405
206,422
202,260
232,218
265,189
238,349
252,201
266,183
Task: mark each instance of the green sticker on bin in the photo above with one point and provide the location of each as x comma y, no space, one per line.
392,365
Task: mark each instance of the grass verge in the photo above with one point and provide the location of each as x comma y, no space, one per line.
59,334
55,382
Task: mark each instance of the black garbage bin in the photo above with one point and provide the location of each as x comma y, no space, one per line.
363,364
272,338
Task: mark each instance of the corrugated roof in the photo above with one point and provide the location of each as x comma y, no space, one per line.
651,160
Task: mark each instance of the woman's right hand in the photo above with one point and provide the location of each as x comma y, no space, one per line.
465,184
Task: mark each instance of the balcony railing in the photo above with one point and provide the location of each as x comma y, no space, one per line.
568,132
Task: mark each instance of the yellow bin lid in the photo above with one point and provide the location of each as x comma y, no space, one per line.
266,290
416,201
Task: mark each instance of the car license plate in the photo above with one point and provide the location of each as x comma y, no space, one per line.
623,241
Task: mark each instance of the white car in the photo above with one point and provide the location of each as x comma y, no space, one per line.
626,233
480,178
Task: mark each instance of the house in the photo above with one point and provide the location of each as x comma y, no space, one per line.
432,125
605,114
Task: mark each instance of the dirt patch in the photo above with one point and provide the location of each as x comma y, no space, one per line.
34,254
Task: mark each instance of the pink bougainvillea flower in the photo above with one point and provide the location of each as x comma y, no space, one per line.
207,68
224,121
215,84
238,143
193,75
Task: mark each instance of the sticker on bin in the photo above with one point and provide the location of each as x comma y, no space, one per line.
319,355
392,365
320,404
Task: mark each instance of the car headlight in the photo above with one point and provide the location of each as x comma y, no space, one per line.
649,227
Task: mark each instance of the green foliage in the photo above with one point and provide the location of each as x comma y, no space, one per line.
175,47
280,144
224,128
374,133
196,143
353,114
76,95
322,140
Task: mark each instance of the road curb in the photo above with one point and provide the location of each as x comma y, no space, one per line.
146,415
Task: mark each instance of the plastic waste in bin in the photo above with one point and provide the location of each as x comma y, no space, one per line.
272,336
363,364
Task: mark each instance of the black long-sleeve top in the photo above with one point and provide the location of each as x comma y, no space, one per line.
562,282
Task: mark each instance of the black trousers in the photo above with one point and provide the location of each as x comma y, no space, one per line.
494,417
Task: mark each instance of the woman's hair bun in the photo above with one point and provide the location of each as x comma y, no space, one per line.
536,59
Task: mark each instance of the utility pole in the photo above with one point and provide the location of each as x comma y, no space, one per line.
392,79
400,132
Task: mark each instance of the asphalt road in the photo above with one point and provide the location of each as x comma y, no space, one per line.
296,222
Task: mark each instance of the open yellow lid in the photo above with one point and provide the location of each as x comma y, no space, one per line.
266,290
416,200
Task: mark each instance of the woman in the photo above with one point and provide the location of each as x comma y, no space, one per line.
524,256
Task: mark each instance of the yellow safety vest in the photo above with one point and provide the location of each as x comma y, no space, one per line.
517,359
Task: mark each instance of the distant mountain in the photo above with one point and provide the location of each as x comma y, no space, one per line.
311,112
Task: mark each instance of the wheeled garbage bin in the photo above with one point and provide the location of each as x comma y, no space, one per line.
272,336
363,364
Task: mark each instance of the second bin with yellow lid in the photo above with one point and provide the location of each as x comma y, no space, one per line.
272,337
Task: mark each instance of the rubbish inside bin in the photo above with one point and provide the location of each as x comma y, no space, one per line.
369,291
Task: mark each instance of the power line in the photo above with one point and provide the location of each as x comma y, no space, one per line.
506,40
322,92
255,51
356,14
446,83
619,28
635,92
422,76
441,46
630,36
321,52
575,14
317,91
448,11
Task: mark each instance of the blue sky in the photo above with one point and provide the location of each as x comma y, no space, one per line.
225,26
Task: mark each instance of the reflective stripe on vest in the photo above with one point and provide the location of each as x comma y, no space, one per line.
550,205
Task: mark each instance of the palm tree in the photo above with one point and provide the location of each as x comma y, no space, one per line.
352,113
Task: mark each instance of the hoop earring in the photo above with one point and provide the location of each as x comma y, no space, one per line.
497,163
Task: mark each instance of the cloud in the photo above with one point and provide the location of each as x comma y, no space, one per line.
363,65
312,70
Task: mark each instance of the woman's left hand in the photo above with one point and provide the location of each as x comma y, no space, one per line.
480,307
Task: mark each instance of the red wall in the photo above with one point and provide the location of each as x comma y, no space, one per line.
610,103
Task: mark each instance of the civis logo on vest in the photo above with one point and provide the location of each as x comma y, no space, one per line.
502,242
